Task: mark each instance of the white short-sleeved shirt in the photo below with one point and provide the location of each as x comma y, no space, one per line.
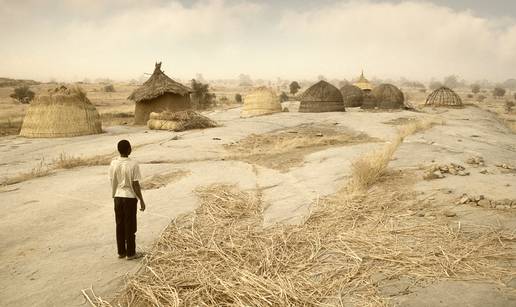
122,172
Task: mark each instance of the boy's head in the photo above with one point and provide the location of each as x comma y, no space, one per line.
124,148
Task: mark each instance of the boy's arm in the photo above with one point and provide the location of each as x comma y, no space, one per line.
138,192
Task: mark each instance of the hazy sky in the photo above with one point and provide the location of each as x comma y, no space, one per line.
77,39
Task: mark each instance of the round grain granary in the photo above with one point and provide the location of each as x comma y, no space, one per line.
61,112
321,97
352,95
261,101
443,96
388,96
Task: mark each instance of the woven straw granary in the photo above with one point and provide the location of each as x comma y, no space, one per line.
444,97
159,93
61,112
179,121
261,101
388,96
363,84
321,97
352,95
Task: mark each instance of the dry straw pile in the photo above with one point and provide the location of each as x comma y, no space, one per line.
220,255
179,121
62,112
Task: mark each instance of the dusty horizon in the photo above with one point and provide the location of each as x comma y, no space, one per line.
417,40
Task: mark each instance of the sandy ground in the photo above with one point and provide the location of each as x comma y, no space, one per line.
57,232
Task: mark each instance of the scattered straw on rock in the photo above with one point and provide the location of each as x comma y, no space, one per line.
221,256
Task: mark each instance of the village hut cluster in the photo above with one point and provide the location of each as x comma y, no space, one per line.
164,104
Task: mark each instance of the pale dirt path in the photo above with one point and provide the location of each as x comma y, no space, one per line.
57,232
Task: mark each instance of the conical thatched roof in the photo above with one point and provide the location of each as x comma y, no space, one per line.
388,96
260,101
444,97
321,97
363,83
157,85
61,112
352,95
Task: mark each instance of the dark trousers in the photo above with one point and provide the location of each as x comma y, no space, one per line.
125,217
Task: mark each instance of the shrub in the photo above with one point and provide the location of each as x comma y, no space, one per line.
23,94
109,88
498,92
508,106
283,97
475,88
470,96
481,98
238,98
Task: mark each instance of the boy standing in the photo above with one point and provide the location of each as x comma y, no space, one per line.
124,175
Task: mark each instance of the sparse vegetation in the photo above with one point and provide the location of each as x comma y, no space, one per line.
238,98
435,85
23,94
109,88
508,106
294,87
481,98
368,169
475,88
201,96
498,92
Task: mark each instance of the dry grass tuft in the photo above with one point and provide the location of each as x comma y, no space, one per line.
10,126
221,256
162,180
66,161
41,170
368,169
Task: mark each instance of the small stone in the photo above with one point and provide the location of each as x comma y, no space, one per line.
449,213
484,203
421,214
464,199
216,139
319,134
484,171
175,138
453,171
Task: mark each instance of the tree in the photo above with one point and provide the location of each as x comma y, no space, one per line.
498,92
475,88
451,81
510,83
435,85
109,88
294,87
23,94
238,98
508,106
201,95
283,97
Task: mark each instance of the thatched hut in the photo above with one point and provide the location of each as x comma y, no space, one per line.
159,93
261,101
388,96
61,112
363,84
444,96
321,97
352,95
